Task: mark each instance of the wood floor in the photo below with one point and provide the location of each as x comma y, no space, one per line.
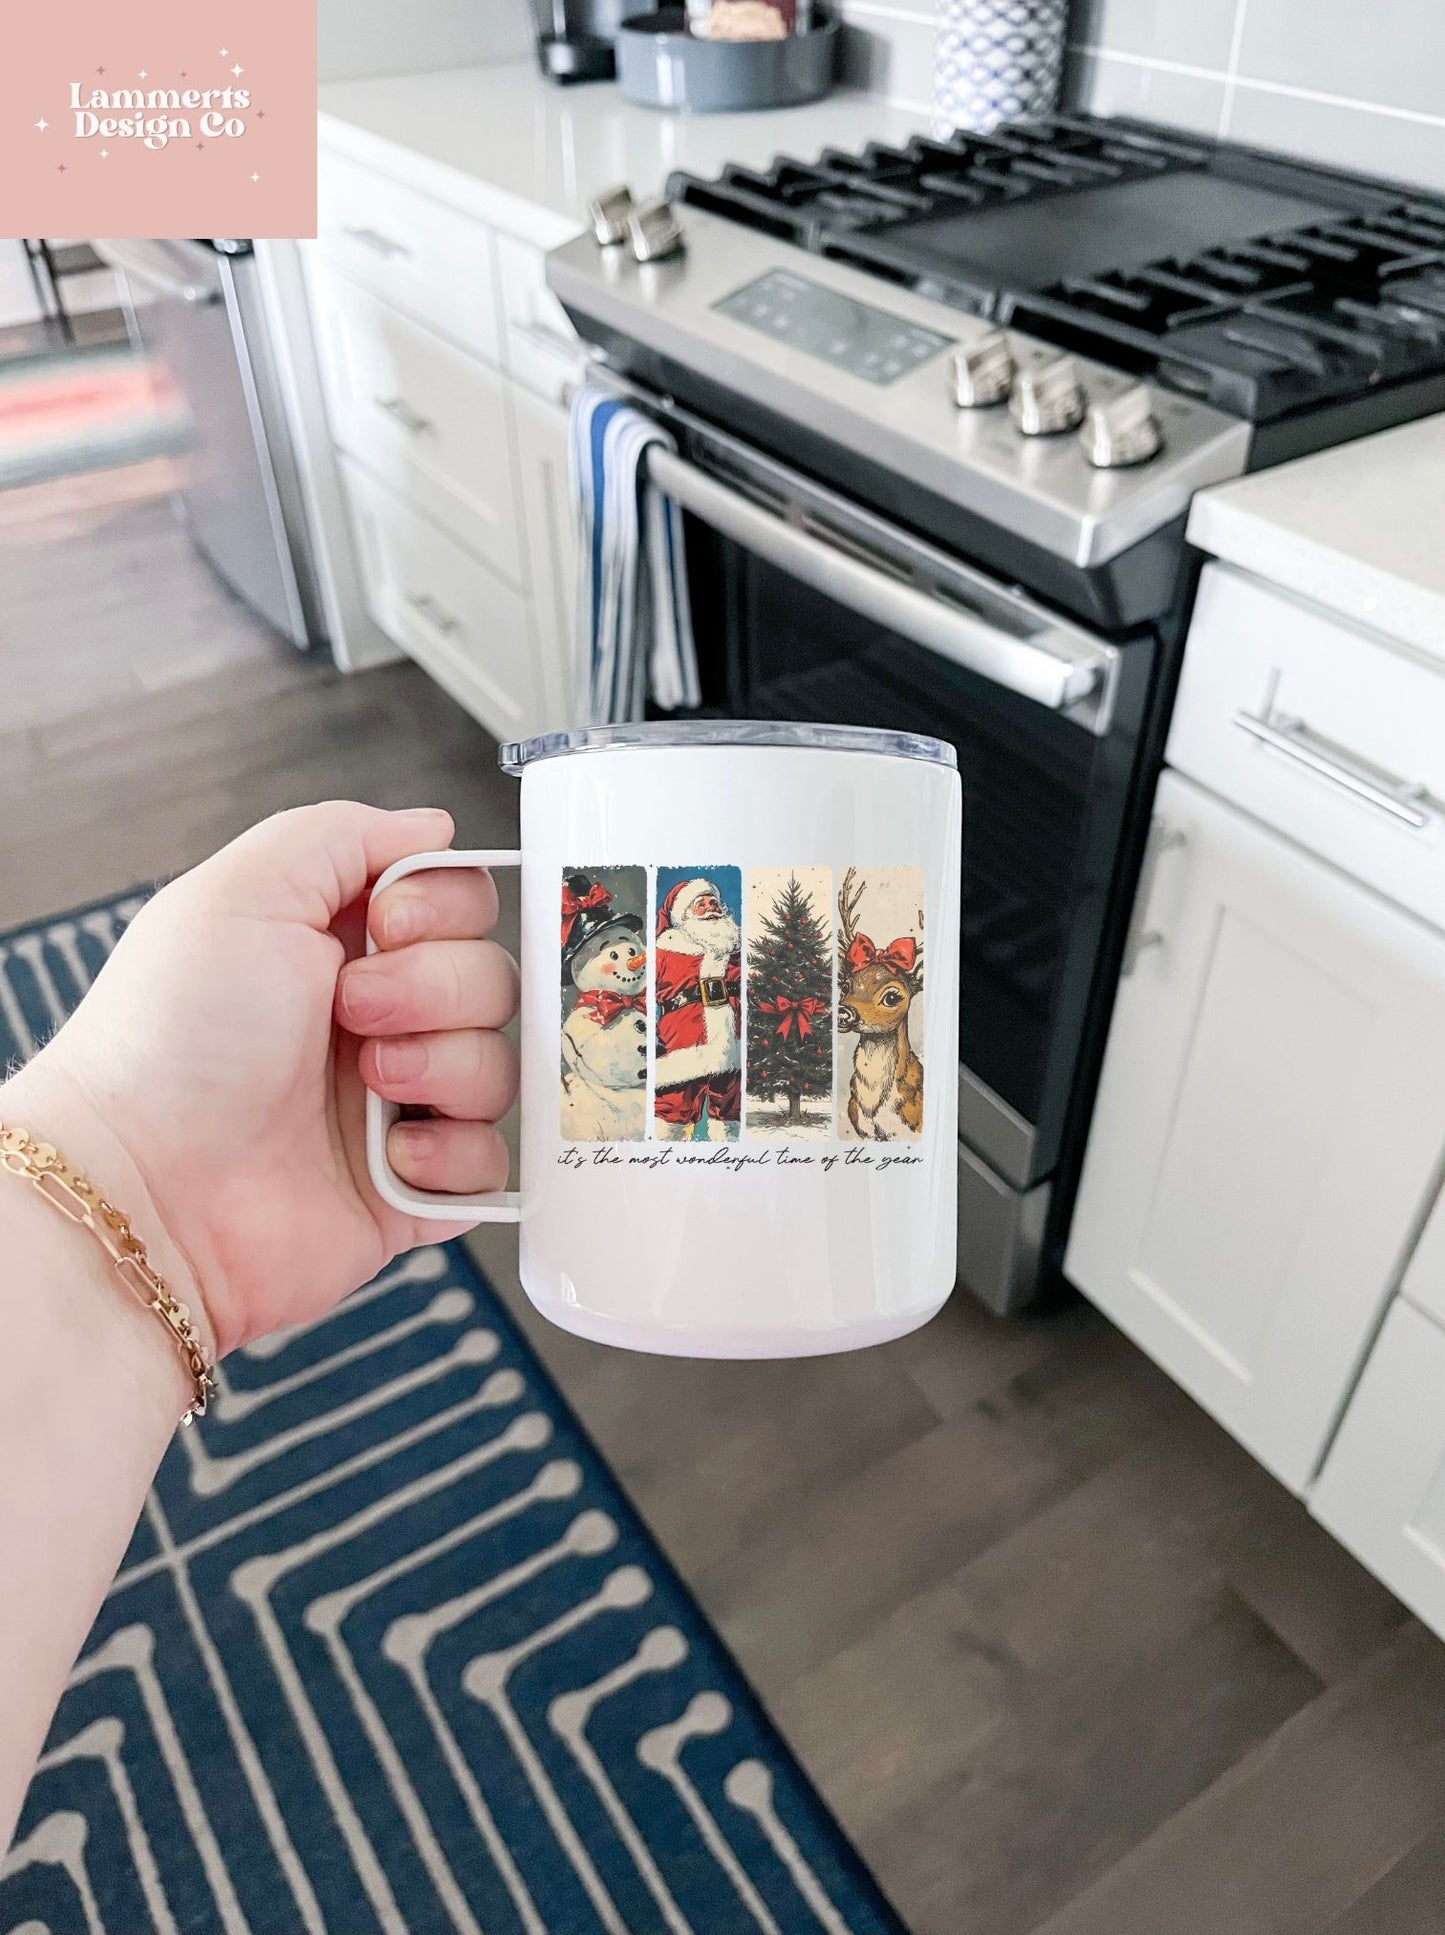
1063,1659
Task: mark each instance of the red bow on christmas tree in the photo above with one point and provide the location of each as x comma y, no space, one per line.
606,1005
899,954
800,1011
574,904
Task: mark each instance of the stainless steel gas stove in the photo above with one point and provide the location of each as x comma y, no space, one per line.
940,412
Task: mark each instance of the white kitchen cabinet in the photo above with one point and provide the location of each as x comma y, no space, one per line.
447,366
551,549
1382,1491
1268,1125
456,618
430,260
427,420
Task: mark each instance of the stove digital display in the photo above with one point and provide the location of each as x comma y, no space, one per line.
852,336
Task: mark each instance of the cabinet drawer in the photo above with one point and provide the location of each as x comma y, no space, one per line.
1382,1491
453,615
1320,730
417,253
543,351
429,421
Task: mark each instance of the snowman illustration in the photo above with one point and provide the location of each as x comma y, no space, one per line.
604,1035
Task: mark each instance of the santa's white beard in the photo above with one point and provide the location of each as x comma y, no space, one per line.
718,937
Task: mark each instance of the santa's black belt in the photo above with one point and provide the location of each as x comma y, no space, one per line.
712,992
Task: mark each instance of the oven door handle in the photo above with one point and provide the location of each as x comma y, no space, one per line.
1053,668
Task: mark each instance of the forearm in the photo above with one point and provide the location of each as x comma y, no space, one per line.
90,1392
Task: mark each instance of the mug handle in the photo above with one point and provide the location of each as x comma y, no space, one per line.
497,1205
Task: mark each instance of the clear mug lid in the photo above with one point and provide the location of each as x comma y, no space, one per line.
654,734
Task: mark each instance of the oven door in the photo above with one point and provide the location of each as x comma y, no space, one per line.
808,606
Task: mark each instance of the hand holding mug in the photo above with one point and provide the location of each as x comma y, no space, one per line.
205,1080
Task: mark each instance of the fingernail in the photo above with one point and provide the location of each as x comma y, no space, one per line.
424,812
417,1139
400,1061
366,997
408,920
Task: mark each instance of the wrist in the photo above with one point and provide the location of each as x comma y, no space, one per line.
95,1304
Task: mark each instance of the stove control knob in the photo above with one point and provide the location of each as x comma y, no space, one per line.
653,231
1047,397
607,216
1121,431
983,371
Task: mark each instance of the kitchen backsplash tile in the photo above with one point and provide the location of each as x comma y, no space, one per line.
1333,80
1197,35
357,38
1393,55
1377,144
884,12
1111,86
888,50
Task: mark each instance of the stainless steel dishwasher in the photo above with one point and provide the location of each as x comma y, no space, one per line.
195,307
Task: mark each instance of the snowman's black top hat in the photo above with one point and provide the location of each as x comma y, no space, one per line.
588,920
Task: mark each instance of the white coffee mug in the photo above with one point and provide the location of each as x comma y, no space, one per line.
739,1036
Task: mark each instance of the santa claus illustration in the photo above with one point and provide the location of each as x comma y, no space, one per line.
697,1075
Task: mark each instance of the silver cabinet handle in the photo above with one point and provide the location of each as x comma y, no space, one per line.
409,419
1057,678
373,239
1162,839
1404,800
550,341
435,614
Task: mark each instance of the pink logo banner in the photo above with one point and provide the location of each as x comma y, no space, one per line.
159,118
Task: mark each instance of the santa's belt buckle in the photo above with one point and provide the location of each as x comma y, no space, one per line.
714,990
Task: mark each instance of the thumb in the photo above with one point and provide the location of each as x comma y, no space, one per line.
309,863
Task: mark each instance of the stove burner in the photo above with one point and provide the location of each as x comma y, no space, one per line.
1257,284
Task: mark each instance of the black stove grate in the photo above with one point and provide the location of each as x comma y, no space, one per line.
817,203
1338,290
1262,328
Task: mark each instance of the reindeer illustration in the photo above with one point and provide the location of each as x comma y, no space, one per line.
876,989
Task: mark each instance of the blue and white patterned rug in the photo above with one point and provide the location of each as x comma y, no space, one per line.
390,1651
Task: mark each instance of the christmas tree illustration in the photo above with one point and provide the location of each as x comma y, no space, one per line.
790,990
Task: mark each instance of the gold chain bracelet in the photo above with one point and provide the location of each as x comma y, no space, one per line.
76,1197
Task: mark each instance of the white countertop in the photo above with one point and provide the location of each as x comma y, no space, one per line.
526,155
1359,529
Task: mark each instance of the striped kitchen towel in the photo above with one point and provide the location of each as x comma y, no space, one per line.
634,625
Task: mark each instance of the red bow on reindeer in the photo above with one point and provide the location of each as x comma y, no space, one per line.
800,1011
899,955
574,904
607,1006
